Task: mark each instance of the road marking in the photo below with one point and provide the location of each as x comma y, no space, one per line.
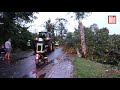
54,68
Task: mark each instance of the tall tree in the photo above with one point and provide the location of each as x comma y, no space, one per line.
94,27
61,26
50,27
13,23
79,16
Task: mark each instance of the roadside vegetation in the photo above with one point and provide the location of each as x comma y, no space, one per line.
100,45
13,26
90,69
102,51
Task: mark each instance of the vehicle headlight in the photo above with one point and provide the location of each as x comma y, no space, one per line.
37,56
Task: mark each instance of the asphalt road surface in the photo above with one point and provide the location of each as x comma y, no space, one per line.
25,67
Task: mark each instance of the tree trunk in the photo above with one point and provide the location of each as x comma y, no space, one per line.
82,39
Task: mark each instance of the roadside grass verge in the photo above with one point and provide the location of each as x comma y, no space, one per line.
89,69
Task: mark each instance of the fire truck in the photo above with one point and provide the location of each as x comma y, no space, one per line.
44,45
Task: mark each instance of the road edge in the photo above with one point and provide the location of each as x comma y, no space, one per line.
55,66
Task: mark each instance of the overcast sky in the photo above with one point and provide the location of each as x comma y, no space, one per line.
100,18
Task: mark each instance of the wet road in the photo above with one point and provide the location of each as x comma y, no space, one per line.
25,66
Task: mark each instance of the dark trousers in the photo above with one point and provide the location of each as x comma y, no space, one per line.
34,48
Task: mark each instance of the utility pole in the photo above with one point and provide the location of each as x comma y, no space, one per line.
82,37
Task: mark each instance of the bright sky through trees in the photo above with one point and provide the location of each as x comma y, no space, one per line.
100,18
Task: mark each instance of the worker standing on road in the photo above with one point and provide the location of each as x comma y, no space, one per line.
8,49
34,45
29,45
42,50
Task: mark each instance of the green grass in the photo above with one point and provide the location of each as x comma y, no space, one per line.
89,69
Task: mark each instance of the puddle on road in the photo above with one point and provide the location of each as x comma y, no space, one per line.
34,73
39,70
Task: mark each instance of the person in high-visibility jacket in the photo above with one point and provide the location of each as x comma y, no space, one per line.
29,44
34,45
41,48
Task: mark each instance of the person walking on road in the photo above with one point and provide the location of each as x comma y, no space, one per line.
29,45
8,49
34,45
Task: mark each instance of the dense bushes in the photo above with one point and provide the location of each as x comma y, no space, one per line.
101,46
20,40
12,27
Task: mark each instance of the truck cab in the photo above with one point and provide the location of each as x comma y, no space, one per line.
49,40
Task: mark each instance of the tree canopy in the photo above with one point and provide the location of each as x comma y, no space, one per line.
13,26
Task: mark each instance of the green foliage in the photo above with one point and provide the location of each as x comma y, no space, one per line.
89,69
89,41
100,46
61,31
14,27
76,38
58,29
81,15
73,39
21,39
50,27
61,26
69,39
